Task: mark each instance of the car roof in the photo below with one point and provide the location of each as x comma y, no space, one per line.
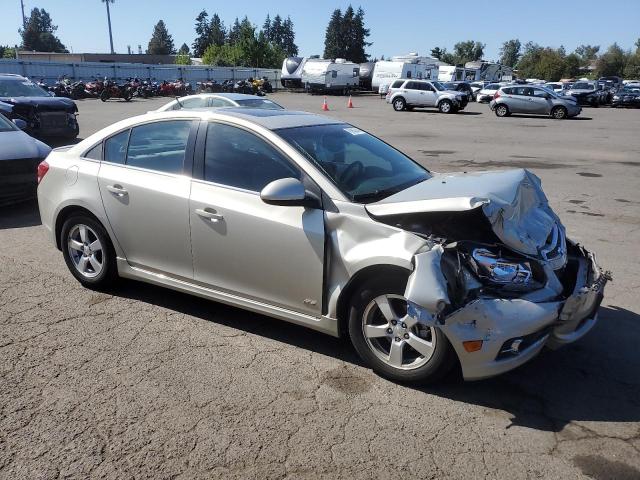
14,76
228,96
273,119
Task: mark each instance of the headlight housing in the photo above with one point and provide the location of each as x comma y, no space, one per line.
506,273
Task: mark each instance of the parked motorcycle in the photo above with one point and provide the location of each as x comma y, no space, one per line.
113,90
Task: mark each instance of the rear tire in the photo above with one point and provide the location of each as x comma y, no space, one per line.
559,113
502,111
399,104
445,106
430,365
88,252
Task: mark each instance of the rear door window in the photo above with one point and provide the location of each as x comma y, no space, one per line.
115,148
397,84
159,146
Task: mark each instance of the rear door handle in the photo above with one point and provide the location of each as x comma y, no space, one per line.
209,213
117,190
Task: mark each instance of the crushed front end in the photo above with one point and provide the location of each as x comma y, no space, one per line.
497,274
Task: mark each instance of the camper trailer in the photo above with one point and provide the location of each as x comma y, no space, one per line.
340,76
481,71
291,74
366,74
403,66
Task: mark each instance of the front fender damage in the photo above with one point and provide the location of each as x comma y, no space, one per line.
426,291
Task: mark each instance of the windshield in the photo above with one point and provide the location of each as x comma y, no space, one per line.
6,125
438,86
20,88
449,85
492,86
259,103
584,86
362,166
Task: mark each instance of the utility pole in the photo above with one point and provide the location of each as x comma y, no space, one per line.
24,19
109,20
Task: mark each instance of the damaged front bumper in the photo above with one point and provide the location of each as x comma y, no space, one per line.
511,330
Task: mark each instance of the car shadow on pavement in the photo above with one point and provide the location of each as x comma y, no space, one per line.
25,214
593,380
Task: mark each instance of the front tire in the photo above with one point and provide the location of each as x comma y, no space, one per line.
559,113
104,96
391,343
399,104
445,106
88,252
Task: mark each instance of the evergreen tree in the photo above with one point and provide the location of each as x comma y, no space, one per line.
218,34
161,42
266,28
203,34
356,48
438,52
277,30
288,44
234,32
333,36
184,49
39,33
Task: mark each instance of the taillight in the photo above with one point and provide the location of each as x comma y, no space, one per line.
43,168
496,95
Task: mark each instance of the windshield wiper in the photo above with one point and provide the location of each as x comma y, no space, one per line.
380,194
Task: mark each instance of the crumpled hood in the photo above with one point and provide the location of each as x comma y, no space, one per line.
17,144
512,201
44,103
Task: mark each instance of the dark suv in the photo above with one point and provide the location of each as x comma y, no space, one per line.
45,116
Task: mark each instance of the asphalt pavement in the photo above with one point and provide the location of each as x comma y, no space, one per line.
144,382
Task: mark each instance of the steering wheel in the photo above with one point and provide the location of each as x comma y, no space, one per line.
353,171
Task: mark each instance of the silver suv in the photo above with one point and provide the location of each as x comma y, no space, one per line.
407,94
535,100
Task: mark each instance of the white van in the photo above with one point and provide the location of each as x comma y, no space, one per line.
319,75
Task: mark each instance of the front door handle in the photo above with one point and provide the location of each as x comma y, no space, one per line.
117,190
209,213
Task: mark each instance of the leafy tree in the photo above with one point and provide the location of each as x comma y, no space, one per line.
333,35
203,34
586,53
161,42
184,49
7,52
39,33
572,64
468,51
183,59
217,32
612,62
438,52
510,52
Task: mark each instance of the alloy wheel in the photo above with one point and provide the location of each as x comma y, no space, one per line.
85,250
394,337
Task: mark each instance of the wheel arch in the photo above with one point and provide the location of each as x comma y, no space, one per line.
355,282
70,210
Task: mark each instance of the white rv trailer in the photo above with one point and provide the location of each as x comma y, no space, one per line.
291,75
479,71
403,66
320,75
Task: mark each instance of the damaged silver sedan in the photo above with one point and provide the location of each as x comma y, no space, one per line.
313,221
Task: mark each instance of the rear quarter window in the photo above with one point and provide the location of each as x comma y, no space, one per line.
397,84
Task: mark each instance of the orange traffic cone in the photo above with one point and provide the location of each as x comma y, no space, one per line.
350,103
325,107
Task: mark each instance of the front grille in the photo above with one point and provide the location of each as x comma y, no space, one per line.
53,119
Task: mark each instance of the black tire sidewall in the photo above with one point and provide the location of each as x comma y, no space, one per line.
404,104
109,270
555,109
438,366
506,111
442,103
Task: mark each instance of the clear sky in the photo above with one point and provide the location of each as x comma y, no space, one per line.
396,27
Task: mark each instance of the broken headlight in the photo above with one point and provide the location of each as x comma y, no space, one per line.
509,273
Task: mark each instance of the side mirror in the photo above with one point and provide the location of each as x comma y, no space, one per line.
288,192
21,124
